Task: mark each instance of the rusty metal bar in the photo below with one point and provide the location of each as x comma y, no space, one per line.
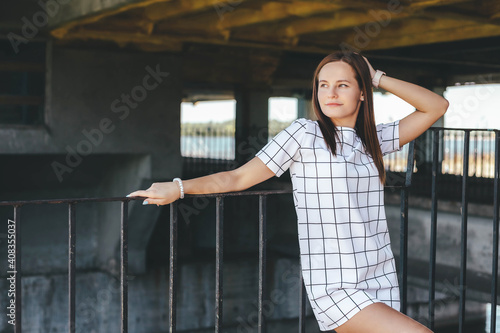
403,253
262,261
219,260
124,266
494,266
71,265
172,295
79,200
432,259
463,248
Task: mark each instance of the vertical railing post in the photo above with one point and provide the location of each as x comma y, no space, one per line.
219,260
494,266
404,250
463,248
432,259
71,265
124,266
262,260
17,220
404,229
172,286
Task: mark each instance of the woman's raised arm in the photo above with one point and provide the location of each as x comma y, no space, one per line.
251,173
429,106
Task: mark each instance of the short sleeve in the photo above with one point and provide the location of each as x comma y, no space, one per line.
279,153
388,137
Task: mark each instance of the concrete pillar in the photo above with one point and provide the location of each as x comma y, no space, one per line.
252,122
304,108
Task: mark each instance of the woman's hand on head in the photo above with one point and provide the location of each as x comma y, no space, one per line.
158,193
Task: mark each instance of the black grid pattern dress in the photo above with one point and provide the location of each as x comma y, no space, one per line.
346,257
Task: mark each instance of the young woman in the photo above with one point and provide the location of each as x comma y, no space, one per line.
337,175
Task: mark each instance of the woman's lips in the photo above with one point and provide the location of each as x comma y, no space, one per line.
333,104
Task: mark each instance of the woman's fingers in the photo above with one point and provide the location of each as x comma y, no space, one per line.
370,67
140,193
143,193
149,201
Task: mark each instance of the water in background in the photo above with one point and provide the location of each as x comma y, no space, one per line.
220,147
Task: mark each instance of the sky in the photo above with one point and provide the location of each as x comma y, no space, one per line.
471,106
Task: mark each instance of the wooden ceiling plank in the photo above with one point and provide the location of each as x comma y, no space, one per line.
125,25
243,16
163,11
440,26
411,33
339,20
490,8
123,38
274,11
440,36
418,37
349,18
422,4
176,41
269,12
61,31
471,17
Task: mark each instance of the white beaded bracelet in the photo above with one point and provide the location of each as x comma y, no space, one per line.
181,187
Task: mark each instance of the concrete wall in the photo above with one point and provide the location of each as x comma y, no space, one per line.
479,249
112,126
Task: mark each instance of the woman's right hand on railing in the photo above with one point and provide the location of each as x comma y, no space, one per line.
249,174
159,193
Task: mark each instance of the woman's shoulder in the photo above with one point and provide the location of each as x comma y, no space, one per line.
299,130
305,123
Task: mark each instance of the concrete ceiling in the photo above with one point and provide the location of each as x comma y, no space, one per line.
278,43
256,41
315,26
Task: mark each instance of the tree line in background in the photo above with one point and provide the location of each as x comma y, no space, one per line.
226,128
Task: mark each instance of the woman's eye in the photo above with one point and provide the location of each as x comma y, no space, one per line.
342,85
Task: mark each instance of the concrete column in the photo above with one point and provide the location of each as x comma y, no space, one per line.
252,122
304,108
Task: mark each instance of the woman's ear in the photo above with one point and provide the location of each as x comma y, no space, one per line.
362,98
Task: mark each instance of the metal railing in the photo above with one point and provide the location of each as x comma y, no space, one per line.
262,195
72,206
481,153
437,148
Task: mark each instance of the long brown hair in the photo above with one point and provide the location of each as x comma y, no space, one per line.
365,122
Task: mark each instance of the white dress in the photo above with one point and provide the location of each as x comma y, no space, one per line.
346,257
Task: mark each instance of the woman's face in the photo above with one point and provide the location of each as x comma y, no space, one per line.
339,95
